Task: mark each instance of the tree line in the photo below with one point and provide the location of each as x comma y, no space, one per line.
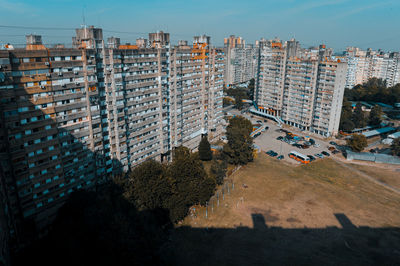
240,94
357,118
374,90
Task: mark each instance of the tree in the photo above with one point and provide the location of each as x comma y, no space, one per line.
250,89
226,102
358,117
357,142
346,124
375,116
148,185
239,149
374,90
218,170
190,183
396,147
205,153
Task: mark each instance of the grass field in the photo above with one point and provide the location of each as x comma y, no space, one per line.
292,198
309,194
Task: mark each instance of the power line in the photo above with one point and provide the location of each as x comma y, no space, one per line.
34,28
61,28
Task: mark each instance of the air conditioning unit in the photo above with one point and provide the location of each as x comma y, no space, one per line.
32,76
60,73
89,61
77,83
76,72
47,63
42,87
48,75
63,85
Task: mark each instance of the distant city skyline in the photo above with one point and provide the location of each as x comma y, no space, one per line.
337,23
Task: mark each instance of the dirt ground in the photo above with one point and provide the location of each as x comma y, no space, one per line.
284,199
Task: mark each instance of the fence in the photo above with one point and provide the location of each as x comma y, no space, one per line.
219,197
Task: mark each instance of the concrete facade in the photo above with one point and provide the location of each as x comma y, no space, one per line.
241,60
364,65
72,117
304,90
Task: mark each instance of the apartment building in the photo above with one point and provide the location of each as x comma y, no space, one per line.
72,116
196,82
241,60
134,81
364,65
300,87
53,127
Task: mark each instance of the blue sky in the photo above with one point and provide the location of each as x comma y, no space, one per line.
338,23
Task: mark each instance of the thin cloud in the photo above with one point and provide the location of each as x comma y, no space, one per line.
362,9
15,7
312,5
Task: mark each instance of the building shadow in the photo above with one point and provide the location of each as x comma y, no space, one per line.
264,245
45,157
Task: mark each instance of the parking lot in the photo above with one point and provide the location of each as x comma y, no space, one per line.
268,139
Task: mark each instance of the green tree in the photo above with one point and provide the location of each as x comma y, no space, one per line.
205,153
218,170
357,142
375,116
358,117
148,186
239,149
396,147
190,183
227,102
250,89
346,124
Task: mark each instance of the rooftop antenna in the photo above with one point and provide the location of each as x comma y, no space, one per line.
83,17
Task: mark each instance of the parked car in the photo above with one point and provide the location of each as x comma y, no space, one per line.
316,145
271,153
291,142
331,148
298,145
312,141
259,121
312,158
279,138
319,155
280,157
325,153
332,143
335,151
305,146
257,134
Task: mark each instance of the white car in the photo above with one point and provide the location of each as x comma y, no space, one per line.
316,145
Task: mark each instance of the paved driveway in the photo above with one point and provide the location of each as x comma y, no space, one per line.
267,140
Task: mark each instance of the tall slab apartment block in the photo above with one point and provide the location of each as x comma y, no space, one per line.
364,65
302,88
135,80
51,119
196,91
70,117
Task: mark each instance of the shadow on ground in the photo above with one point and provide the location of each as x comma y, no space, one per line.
263,245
